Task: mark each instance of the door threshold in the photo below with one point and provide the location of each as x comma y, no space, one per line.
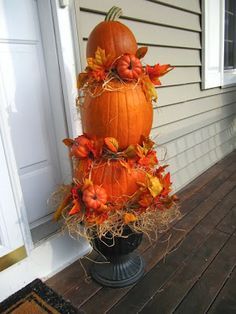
44,231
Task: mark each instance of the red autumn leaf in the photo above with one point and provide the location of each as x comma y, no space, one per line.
141,52
149,160
156,71
166,184
112,144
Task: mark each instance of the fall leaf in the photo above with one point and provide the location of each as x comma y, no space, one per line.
154,185
129,217
60,208
100,62
166,184
149,88
141,52
146,200
96,218
156,71
87,183
112,144
76,207
82,79
130,151
149,160
68,142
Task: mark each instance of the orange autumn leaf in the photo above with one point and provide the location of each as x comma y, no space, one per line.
96,218
100,62
60,208
68,142
149,160
129,217
76,207
146,200
112,144
82,79
87,184
166,184
141,52
156,71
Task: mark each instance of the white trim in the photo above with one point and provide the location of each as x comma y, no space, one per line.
213,73
69,63
43,262
211,43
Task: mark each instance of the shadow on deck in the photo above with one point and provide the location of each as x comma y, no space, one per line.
193,272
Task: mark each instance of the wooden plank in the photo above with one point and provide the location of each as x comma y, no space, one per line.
109,296
225,301
156,278
189,5
172,293
228,224
208,286
146,11
147,34
181,111
83,290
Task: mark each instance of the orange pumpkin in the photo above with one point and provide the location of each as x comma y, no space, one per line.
95,197
129,67
118,181
123,113
80,147
112,36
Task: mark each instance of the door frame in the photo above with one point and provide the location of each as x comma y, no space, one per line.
59,35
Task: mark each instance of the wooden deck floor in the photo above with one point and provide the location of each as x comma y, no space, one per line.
198,274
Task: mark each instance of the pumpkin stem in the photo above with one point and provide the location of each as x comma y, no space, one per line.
113,14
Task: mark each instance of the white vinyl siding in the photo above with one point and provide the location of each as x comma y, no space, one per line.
195,127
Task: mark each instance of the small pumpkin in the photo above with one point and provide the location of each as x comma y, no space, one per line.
123,112
95,197
112,36
129,67
80,147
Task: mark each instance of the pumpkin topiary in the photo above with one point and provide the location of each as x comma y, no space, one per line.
121,111
112,36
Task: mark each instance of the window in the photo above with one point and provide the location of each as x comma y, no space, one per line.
218,43
230,35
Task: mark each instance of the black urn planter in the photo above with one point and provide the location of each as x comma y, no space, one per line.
117,264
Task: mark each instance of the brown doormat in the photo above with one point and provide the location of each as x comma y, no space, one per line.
36,298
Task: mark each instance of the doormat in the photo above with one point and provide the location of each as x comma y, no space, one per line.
36,298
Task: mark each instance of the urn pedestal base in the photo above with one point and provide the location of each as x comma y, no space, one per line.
120,271
118,265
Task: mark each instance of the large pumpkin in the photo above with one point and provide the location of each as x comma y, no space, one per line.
119,182
112,36
122,112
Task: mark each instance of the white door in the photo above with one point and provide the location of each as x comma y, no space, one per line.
28,105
